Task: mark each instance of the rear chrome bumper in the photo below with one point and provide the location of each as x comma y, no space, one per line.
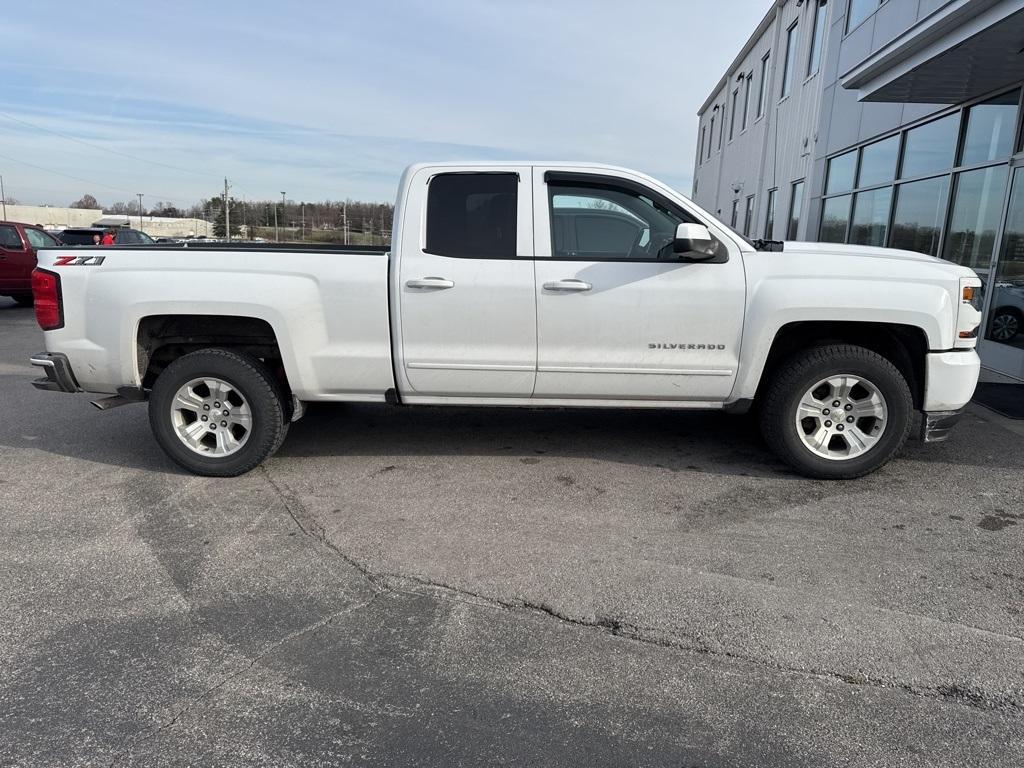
936,425
59,376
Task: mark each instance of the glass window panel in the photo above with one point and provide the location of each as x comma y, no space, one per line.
472,215
790,61
878,162
871,216
977,202
860,10
748,217
920,210
732,116
817,37
763,86
930,147
1006,318
769,221
990,126
840,172
835,215
796,203
735,213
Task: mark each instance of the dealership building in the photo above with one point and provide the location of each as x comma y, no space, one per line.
881,122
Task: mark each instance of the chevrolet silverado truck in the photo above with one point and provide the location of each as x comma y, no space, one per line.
520,284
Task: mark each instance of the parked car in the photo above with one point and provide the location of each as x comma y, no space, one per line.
1007,311
521,284
122,236
18,244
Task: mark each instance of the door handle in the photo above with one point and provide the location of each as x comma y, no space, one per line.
427,283
569,285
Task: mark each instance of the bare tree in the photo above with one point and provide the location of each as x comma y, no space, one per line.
85,201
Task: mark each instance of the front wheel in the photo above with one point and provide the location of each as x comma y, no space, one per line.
837,412
217,412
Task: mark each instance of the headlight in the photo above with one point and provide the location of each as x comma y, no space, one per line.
971,294
968,316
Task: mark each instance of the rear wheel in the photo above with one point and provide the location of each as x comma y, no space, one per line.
217,412
837,412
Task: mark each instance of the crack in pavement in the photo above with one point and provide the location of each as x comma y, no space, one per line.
965,695
263,653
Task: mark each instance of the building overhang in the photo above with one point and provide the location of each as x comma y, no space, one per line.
965,49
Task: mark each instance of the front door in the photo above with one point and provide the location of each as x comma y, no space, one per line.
619,315
1002,346
467,309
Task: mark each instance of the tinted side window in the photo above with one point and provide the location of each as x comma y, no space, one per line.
39,239
472,215
144,239
610,224
9,238
76,238
124,237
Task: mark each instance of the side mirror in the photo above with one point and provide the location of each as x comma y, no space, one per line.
694,239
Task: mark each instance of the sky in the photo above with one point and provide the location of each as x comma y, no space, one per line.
331,100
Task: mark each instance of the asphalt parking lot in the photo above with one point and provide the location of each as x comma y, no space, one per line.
479,587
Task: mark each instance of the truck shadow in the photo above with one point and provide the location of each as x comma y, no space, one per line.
710,442
706,441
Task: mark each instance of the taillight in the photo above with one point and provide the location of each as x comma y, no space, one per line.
47,299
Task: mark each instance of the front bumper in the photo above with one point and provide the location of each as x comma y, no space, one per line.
59,376
950,379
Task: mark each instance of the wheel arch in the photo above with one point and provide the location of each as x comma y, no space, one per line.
162,338
905,346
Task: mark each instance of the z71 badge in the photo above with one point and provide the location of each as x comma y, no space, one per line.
78,261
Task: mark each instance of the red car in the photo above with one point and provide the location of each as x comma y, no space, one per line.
18,243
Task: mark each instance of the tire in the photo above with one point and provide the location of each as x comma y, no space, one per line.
1006,323
23,299
879,404
253,412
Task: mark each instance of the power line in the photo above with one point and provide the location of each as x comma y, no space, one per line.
79,178
105,149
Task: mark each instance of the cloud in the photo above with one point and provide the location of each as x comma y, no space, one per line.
333,99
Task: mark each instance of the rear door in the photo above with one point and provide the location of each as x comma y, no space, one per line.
467,307
16,260
619,315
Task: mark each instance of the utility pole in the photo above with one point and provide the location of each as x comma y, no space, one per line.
303,222
3,197
140,210
344,218
283,220
277,231
227,211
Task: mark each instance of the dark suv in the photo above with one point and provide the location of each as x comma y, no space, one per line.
122,236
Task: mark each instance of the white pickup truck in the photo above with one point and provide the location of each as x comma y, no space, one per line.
520,284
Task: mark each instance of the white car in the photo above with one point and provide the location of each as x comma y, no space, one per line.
520,284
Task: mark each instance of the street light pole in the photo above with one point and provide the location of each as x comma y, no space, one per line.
140,210
284,221
3,197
